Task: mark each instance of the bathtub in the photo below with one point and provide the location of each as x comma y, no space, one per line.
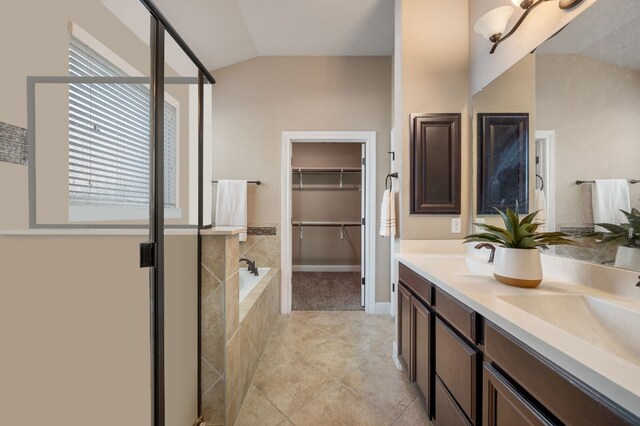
248,281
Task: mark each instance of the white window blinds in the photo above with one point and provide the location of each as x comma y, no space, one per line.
109,136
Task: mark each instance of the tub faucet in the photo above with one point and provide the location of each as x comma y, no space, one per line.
252,266
490,247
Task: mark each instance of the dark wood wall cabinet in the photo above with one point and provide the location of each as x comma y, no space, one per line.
435,163
503,162
467,371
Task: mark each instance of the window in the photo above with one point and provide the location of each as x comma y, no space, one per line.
109,142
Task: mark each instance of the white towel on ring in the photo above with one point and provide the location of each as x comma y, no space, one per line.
231,204
388,214
609,197
540,205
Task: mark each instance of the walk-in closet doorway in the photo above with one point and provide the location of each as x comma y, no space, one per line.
328,221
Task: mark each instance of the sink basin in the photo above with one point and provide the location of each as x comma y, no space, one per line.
611,327
477,267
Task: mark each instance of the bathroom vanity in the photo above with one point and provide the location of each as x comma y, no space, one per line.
479,352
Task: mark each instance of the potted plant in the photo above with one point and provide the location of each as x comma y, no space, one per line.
628,236
517,258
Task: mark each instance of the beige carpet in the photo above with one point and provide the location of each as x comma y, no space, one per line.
326,291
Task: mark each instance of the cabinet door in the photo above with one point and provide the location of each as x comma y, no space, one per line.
503,405
447,411
457,366
421,321
404,327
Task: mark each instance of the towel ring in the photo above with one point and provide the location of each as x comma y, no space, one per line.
388,182
541,181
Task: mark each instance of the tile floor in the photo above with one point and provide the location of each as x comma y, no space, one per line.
330,368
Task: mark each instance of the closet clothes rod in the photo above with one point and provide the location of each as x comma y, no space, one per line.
580,182
326,170
257,182
328,224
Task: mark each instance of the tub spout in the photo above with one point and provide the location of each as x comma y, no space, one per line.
251,265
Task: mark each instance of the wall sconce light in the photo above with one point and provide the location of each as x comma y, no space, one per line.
493,24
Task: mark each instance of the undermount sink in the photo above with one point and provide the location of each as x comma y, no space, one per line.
477,267
611,327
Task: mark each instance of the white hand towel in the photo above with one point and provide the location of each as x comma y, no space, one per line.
540,204
609,197
231,204
388,214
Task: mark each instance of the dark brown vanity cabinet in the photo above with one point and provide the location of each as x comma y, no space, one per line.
457,360
421,320
468,371
404,326
504,405
415,335
519,382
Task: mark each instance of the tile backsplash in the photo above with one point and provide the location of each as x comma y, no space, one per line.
13,144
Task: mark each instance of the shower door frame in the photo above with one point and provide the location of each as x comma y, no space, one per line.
368,139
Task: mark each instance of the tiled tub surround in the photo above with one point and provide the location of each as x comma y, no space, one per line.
616,375
262,245
220,320
258,312
233,333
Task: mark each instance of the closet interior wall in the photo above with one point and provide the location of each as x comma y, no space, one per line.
322,198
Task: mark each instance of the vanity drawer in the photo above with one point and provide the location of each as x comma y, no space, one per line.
573,403
417,284
457,367
457,314
447,411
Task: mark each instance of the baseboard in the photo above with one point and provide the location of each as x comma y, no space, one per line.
326,268
383,308
396,361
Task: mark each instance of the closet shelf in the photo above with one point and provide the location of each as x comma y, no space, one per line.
327,170
321,170
324,224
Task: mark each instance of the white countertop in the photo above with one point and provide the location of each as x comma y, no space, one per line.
615,376
223,230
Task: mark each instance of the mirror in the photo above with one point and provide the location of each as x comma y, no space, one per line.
581,92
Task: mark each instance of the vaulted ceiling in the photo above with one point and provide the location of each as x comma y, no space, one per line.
224,32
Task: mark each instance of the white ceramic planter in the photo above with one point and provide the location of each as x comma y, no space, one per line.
518,267
628,258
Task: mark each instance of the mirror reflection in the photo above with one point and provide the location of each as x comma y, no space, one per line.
581,92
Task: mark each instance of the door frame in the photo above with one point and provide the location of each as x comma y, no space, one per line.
547,140
369,141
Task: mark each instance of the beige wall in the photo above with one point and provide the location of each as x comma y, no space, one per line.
255,101
181,329
320,199
513,92
431,60
45,35
74,325
593,107
74,310
541,24
74,328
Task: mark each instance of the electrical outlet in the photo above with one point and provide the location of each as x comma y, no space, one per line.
478,220
456,225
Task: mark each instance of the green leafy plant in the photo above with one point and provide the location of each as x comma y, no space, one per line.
627,234
518,234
